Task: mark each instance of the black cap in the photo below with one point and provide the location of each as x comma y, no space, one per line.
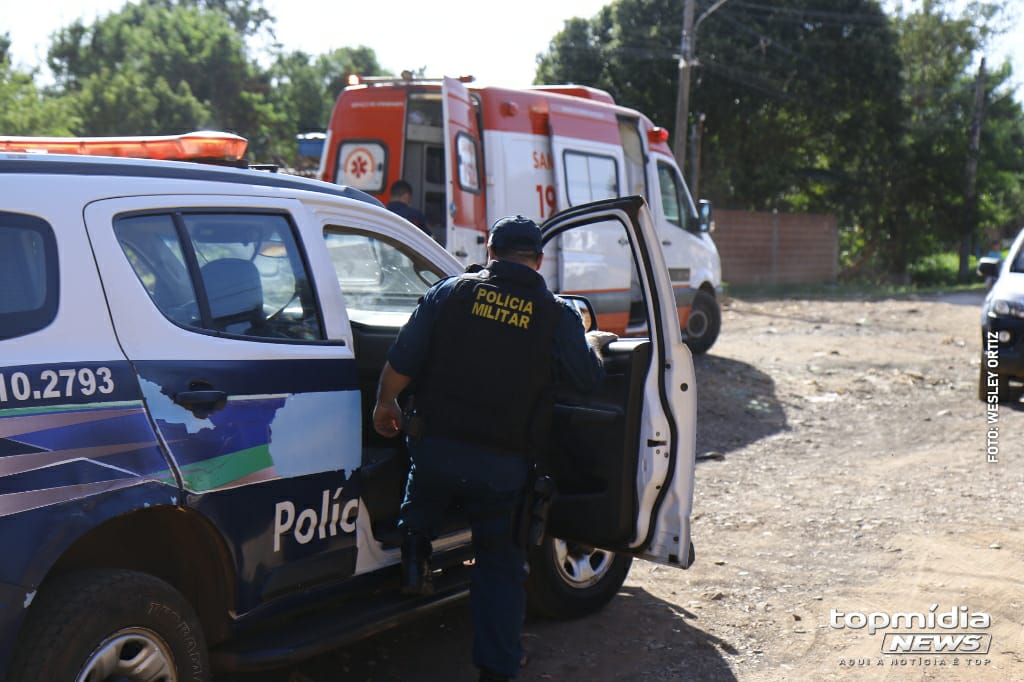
515,233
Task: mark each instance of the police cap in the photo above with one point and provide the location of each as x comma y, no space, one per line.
515,233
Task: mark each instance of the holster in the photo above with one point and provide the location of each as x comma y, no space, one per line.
413,422
532,516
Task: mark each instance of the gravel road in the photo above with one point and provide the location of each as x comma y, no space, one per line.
844,479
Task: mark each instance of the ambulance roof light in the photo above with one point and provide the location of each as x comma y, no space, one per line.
203,144
657,135
405,77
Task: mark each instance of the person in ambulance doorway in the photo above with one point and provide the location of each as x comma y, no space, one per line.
401,195
480,355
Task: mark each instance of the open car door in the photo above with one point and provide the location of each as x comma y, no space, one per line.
466,206
623,455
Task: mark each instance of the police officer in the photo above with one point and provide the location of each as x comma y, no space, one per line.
482,351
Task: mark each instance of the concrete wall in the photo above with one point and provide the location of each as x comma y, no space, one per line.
776,248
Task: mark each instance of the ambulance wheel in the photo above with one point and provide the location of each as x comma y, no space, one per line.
703,324
570,580
110,625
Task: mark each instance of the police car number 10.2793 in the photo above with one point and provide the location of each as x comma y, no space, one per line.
54,384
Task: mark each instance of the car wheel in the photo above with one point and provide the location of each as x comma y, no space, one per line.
110,625
569,580
703,323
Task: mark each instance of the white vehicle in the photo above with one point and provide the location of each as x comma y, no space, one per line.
475,154
189,355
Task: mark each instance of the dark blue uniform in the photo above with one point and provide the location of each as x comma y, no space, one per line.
505,339
410,213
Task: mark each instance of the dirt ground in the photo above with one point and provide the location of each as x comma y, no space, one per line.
844,472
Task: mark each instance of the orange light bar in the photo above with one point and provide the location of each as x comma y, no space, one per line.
203,144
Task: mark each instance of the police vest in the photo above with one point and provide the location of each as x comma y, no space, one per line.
488,375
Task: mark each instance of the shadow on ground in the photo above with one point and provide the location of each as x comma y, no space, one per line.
637,636
736,405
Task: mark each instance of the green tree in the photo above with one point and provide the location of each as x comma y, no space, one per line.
818,105
163,68
304,87
800,98
938,51
24,110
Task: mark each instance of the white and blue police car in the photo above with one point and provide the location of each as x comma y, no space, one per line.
188,356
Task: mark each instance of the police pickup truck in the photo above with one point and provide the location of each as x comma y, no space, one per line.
189,481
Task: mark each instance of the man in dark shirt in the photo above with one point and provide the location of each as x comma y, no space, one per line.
401,195
483,349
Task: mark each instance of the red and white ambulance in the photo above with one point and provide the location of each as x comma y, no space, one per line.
474,154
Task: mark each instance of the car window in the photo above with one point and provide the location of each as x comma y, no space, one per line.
382,280
28,275
1018,262
240,274
590,177
673,202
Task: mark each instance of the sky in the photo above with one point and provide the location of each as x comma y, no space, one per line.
447,37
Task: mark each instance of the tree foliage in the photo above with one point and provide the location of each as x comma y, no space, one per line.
819,105
162,68
24,110
304,87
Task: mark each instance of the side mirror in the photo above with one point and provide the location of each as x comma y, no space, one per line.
707,216
584,308
989,267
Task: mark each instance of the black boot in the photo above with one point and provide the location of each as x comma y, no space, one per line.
491,676
416,564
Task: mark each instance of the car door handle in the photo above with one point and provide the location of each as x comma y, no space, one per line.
666,242
202,403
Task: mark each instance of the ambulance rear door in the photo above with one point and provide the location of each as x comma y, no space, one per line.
589,165
466,203
622,455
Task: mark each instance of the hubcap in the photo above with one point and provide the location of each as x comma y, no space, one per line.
130,655
697,323
580,566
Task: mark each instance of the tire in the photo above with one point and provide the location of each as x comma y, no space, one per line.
568,580
96,625
703,324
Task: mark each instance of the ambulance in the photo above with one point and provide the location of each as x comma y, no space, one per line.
474,154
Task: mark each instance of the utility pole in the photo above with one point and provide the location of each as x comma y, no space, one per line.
971,179
687,60
683,87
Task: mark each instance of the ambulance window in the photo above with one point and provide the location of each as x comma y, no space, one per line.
469,169
362,164
237,274
382,280
633,149
425,109
590,177
28,275
673,196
